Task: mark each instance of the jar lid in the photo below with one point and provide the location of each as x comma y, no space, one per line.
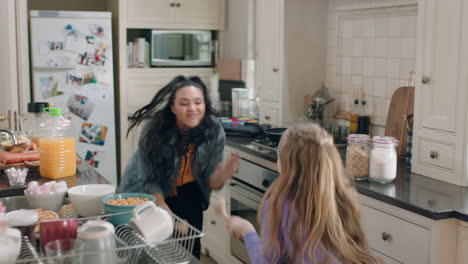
385,141
358,138
37,107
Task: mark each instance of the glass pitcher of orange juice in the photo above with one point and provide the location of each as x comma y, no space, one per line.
57,146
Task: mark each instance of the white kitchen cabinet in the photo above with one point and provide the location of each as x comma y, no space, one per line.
440,96
216,240
288,60
462,242
405,237
183,14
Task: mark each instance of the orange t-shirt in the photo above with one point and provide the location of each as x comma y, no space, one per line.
185,172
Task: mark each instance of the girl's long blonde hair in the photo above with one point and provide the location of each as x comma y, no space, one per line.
323,203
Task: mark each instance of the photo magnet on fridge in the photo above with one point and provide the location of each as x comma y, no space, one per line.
49,87
81,106
93,134
94,158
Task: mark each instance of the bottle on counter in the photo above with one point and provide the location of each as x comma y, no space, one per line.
383,159
35,116
57,146
353,119
363,119
358,156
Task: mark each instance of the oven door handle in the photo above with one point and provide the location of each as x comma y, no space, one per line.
246,192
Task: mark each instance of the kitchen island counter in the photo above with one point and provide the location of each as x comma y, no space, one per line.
85,174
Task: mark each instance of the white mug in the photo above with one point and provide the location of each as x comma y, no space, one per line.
98,236
155,223
10,245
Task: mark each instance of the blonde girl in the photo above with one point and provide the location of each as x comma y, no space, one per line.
311,211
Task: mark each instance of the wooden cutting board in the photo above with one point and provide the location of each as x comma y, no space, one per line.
401,105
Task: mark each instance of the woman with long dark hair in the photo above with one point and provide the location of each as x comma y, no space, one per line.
180,152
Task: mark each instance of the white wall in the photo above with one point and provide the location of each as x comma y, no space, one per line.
238,38
305,32
371,45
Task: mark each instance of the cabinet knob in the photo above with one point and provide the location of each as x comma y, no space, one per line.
177,5
213,222
275,69
267,117
386,236
425,79
2,118
172,4
433,154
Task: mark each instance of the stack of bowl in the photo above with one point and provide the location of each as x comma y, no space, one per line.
112,209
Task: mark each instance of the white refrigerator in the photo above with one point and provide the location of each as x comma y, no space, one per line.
72,69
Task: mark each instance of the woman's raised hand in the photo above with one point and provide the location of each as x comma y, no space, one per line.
225,171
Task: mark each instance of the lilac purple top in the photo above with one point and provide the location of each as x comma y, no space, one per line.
255,245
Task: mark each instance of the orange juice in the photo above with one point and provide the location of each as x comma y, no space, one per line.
58,157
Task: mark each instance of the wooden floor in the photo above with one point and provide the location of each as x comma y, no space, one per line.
207,260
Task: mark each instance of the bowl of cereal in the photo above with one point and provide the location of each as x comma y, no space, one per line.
123,202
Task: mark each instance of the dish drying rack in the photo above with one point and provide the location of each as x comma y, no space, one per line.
131,247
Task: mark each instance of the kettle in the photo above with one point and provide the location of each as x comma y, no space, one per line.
315,110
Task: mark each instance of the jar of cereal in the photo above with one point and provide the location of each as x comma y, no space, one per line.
383,159
357,156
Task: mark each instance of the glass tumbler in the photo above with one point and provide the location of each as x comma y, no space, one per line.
65,251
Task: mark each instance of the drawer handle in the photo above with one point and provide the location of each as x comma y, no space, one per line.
275,69
177,5
386,236
213,222
433,154
267,117
425,79
172,5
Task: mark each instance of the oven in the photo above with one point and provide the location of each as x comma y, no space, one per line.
247,188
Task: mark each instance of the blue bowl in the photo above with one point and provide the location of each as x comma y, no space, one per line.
112,209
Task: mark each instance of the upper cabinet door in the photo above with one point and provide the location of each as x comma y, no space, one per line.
201,12
438,64
270,41
150,13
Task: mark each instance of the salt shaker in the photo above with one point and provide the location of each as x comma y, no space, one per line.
383,159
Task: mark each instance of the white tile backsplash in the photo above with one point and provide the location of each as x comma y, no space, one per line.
394,26
394,47
380,67
393,68
381,47
369,66
346,65
380,86
373,48
357,66
381,27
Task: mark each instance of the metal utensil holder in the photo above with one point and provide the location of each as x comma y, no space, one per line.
131,247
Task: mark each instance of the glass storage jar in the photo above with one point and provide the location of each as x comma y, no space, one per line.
383,159
357,156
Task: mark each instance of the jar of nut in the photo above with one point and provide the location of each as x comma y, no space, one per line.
358,156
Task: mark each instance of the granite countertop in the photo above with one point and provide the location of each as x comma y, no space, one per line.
416,193
85,175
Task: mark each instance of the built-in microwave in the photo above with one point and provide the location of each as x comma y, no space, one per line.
181,48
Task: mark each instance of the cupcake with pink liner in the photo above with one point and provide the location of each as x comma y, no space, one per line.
48,196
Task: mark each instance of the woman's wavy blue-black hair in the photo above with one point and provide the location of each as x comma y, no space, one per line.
161,140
